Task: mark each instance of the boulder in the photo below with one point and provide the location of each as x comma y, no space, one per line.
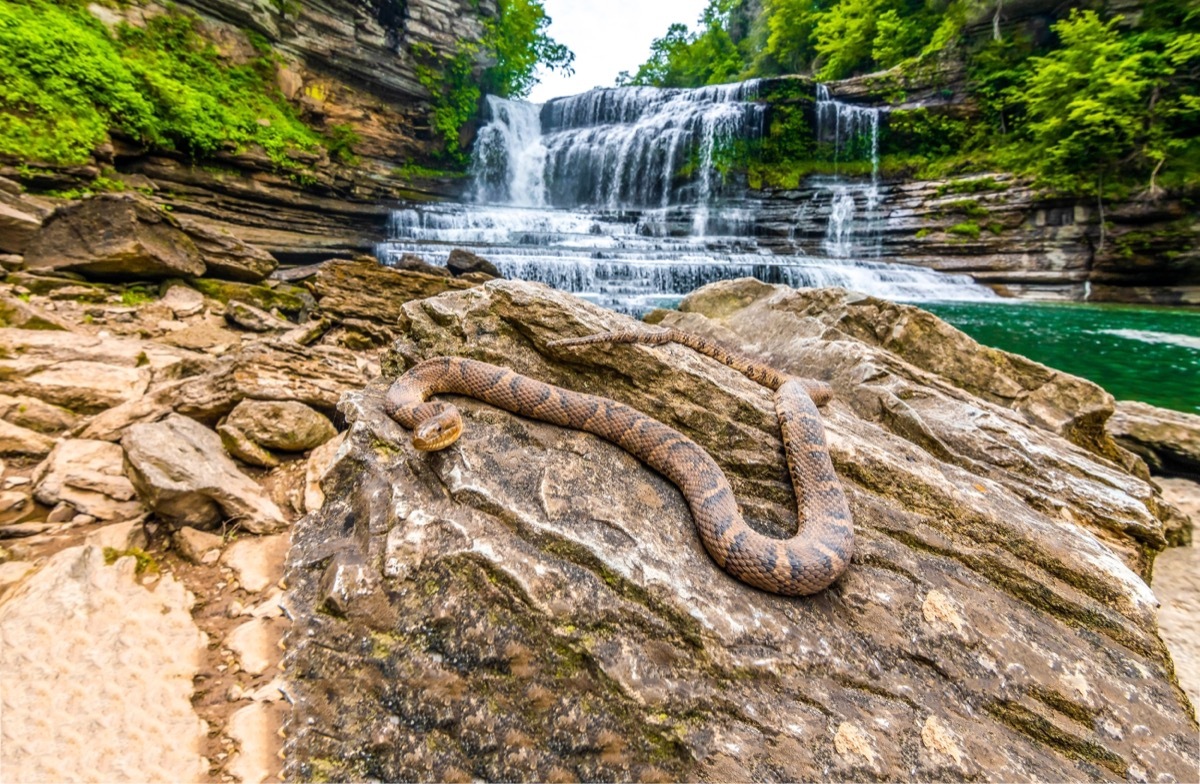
462,262
413,263
182,473
100,661
1169,441
253,319
239,445
198,547
288,426
114,237
538,602
17,228
366,291
227,257
89,477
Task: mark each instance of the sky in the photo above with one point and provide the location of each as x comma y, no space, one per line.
608,36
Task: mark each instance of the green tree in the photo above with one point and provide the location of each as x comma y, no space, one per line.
519,42
1088,101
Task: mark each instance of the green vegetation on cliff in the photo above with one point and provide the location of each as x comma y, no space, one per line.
68,82
1097,104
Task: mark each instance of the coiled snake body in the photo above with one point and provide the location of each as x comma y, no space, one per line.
804,564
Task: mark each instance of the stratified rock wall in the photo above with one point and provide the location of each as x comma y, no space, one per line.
534,604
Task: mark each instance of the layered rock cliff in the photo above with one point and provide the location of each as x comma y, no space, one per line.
345,66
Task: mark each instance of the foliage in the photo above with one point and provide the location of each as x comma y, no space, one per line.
969,229
69,83
517,38
340,141
516,42
683,59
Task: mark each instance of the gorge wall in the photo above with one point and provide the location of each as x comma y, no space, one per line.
345,66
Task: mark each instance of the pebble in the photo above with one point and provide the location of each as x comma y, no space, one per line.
63,513
16,481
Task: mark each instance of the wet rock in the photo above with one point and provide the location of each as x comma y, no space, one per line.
88,477
463,262
106,671
1169,441
114,237
248,317
183,474
225,256
35,414
17,440
286,425
413,263
542,587
199,547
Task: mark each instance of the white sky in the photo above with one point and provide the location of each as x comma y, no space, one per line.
608,36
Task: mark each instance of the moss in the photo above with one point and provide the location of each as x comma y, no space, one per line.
136,296
70,83
969,207
145,562
973,185
291,300
969,229
923,233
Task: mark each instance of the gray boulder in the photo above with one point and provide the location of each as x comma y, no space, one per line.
287,425
182,473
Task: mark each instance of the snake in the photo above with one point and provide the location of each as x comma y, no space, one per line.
802,565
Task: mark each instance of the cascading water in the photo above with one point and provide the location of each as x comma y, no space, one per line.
618,195
854,228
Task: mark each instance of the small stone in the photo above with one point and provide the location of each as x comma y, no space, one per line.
197,546
62,513
22,530
235,609
16,481
12,501
239,445
252,644
235,693
258,562
183,301
83,519
120,536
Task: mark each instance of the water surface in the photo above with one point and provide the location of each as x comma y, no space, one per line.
1136,353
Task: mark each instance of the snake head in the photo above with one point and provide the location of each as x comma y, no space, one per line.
439,431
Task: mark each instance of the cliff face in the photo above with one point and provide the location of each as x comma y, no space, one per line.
345,66
1002,232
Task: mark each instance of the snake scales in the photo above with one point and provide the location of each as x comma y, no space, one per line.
801,565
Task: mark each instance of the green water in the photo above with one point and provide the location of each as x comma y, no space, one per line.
1147,354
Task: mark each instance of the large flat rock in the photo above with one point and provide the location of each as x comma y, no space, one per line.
534,604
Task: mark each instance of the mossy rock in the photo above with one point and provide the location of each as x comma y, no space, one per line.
291,300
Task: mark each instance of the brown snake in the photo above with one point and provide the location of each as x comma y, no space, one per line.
804,564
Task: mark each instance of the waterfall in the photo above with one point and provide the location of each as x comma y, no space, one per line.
621,148
618,195
855,221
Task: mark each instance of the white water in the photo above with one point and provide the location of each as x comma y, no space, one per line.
617,195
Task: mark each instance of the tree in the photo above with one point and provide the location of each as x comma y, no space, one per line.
518,39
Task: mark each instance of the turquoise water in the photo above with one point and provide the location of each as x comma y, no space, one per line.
1136,353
